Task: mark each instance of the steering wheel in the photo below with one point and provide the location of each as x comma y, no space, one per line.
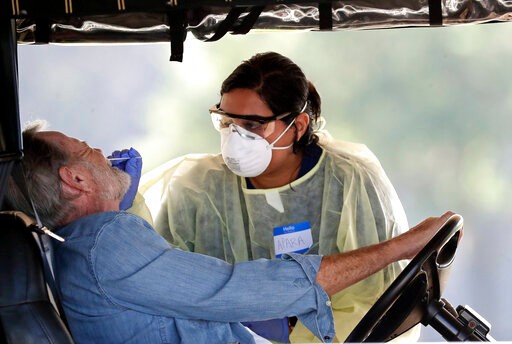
415,295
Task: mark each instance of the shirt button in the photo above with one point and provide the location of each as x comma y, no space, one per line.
328,303
327,338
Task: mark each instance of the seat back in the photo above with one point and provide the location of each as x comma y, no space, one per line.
27,314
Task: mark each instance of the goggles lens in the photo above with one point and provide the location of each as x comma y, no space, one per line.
262,126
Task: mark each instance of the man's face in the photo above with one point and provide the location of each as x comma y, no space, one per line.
111,183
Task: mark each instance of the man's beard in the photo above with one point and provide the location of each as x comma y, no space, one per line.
112,182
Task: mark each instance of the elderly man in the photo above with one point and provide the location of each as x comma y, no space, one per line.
120,282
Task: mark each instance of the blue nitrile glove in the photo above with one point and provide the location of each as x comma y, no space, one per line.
132,166
276,329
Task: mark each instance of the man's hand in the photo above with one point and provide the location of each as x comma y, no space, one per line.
412,241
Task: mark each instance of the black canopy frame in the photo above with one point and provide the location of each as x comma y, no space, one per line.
129,21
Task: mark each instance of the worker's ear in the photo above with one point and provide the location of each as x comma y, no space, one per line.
76,179
302,124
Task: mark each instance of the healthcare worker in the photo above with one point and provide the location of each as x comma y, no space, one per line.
278,186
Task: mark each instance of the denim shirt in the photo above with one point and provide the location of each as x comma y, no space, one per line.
120,282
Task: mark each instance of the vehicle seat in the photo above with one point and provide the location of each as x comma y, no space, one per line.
27,314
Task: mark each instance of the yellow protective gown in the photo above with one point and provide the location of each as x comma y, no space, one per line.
199,205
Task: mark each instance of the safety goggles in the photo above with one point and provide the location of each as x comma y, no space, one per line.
259,125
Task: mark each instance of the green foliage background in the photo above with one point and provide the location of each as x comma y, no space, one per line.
434,104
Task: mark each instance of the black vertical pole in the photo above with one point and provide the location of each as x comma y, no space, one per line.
10,133
10,138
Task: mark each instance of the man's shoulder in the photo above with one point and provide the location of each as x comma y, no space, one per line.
93,223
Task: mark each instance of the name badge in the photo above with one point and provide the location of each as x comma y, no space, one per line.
295,238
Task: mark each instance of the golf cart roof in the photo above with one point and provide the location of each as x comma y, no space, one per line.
125,21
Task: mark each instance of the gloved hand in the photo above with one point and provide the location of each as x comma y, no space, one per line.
132,166
275,329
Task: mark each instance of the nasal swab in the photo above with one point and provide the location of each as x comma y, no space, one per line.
127,158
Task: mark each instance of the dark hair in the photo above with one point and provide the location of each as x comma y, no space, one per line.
40,164
282,85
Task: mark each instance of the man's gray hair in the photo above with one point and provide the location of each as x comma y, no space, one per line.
40,163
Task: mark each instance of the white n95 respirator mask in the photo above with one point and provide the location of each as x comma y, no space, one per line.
247,154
